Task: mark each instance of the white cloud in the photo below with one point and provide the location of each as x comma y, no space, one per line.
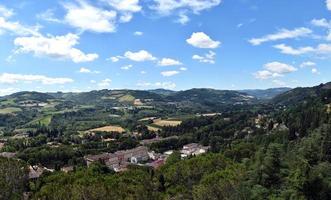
7,78
307,64
48,15
126,8
166,7
15,27
183,18
292,51
328,4
60,47
7,91
125,5
201,40
5,12
169,62
138,33
169,73
207,58
279,83
164,85
265,74
282,34
143,72
104,83
321,49
279,68
273,70
126,67
321,23
90,18
183,69
139,56
182,8
314,71
115,58
88,71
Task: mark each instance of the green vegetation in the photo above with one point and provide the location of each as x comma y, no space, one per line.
9,110
279,149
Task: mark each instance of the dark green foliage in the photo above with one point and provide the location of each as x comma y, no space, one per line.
13,179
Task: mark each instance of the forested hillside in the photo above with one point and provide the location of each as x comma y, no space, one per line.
275,150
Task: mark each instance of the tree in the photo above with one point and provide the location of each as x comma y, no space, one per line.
13,178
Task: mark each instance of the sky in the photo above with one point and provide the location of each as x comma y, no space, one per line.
83,45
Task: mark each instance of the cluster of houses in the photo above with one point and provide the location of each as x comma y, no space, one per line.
120,160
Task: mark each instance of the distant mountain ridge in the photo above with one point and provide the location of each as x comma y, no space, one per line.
300,94
201,96
267,93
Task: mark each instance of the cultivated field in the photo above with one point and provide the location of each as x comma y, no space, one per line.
108,129
168,122
151,128
10,110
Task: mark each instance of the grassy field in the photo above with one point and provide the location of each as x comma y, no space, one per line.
126,98
168,122
10,110
153,128
108,129
42,121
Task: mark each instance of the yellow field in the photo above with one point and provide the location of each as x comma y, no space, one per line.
151,128
10,110
126,98
160,122
108,129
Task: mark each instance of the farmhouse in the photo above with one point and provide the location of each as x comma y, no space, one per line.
193,149
120,159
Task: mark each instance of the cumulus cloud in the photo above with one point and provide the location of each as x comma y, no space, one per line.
307,64
138,33
15,27
292,51
179,7
5,12
7,91
87,71
321,23
105,83
279,83
314,71
48,15
273,70
183,18
265,74
126,67
202,40
169,73
164,85
7,78
321,49
282,34
169,62
87,17
139,56
207,58
328,4
280,68
59,47
183,69
115,58
125,5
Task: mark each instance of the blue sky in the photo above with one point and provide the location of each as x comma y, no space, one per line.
82,45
